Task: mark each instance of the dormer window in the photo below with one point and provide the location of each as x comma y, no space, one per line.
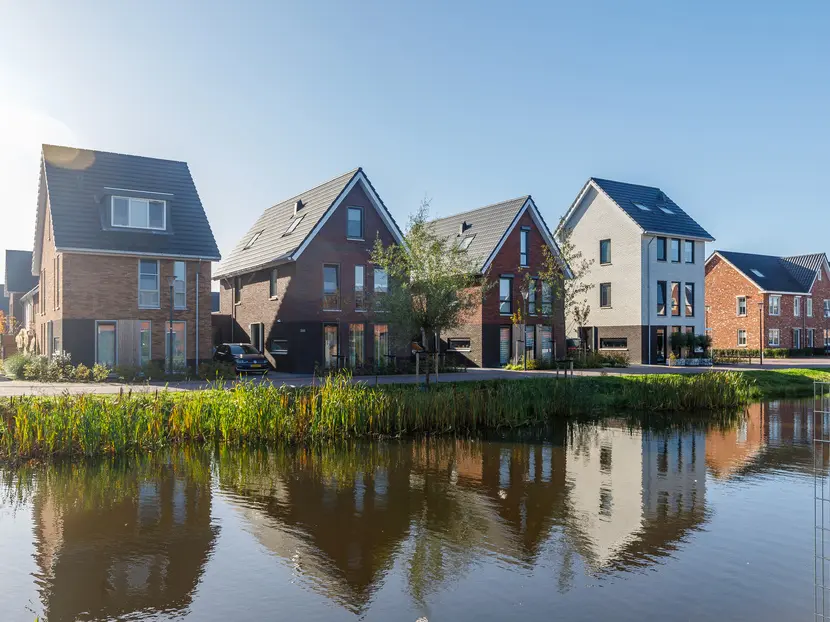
134,213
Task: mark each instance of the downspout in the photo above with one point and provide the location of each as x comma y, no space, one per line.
198,271
648,295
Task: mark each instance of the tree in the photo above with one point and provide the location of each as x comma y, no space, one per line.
568,290
433,284
2,323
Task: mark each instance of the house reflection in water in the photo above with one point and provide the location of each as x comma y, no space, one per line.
114,541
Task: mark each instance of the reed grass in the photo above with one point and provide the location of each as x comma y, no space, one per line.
89,425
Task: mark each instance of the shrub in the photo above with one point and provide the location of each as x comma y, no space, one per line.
100,373
14,366
82,373
153,370
216,370
127,373
37,368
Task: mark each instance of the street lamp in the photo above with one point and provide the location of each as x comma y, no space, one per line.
171,280
525,294
761,330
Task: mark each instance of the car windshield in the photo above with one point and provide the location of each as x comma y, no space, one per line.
243,349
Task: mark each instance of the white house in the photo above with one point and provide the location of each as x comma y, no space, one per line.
648,272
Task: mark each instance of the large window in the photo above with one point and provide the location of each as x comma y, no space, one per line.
740,306
547,298
775,305
547,343
331,348
661,297
381,344
148,283
605,295
458,344
178,342
357,345
675,298
605,251
796,338
505,295
675,250
827,338
146,348
257,333
279,346
381,282
359,288
105,353
614,343
180,285
531,297
741,337
774,337
811,337
688,251
354,229
690,299
331,287
524,251
661,249
504,344
138,213
530,341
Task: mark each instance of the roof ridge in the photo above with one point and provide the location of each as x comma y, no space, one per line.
524,197
351,173
117,153
627,183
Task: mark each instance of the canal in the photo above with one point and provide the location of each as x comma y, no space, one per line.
579,522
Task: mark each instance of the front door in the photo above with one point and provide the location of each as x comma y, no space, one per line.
331,351
505,334
105,343
661,345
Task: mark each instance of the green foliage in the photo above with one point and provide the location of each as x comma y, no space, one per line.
216,370
127,373
14,366
82,373
100,372
589,360
677,340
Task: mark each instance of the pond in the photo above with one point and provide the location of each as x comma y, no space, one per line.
579,522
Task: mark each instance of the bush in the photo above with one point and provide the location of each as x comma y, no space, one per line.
37,368
100,373
14,366
82,373
216,370
153,370
127,373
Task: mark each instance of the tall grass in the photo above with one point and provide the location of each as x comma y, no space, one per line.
336,409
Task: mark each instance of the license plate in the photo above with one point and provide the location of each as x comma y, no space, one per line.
256,365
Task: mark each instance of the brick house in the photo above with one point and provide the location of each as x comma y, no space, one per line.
794,297
507,239
647,275
19,281
296,285
119,240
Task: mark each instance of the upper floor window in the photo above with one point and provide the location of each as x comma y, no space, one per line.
272,283
354,228
547,298
506,295
359,286
331,287
605,251
775,305
661,249
179,285
237,290
531,298
690,299
675,298
605,294
797,306
827,308
524,251
661,298
675,250
740,306
138,213
688,251
148,283
809,307
381,282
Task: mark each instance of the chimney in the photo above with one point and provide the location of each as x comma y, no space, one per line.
463,227
298,206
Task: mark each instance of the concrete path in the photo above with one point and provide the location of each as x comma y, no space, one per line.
9,388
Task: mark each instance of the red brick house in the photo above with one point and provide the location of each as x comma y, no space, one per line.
786,299
507,239
296,285
121,241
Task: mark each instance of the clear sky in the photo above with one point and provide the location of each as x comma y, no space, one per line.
724,105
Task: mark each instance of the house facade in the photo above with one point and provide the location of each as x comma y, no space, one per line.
19,281
298,285
121,242
766,301
647,272
507,240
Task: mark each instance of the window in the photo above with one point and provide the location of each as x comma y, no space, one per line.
331,349
273,282
458,345
381,282
105,353
797,306
331,287
774,337
57,267
138,213
359,285
257,333
253,239
505,295
176,339
757,273
237,290
688,251
666,210
661,249
293,225
465,242
741,337
279,346
530,341
675,250
605,295
827,308
43,292
504,344
614,343
524,251
775,305
148,284
809,307
796,338
811,337
740,306
56,345
357,349
605,251
547,298
381,344
145,347
661,298
827,338
675,298
531,297
179,285
354,227
643,207
690,299
547,343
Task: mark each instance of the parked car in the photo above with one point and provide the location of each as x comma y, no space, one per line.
244,357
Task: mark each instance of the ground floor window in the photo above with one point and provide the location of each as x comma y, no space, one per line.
504,345
176,342
105,343
811,336
257,332
826,338
331,349
796,338
547,343
741,337
145,341
613,343
279,346
381,344
661,345
530,340
458,344
774,337
357,350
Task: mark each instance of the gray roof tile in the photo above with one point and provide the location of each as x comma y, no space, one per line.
19,278
777,274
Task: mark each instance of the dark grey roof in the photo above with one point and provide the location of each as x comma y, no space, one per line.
655,219
80,183
777,274
19,277
487,224
4,300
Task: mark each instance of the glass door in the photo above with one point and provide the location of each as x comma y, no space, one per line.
661,345
105,343
547,343
504,345
331,351
530,341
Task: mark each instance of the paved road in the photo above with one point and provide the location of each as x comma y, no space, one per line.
9,388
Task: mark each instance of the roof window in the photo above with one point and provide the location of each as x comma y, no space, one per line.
643,207
293,225
666,210
253,239
757,273
466,241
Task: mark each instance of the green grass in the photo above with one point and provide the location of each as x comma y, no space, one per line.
777,383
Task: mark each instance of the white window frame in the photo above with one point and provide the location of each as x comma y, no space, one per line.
774,305
454,348
180,286
741,333
158,285
797,306
776,343
797,333
827,338
738,300
130,201
826,307
809,307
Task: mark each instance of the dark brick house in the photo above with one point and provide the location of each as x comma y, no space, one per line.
296,285
19,281
794,297
119,240
507,240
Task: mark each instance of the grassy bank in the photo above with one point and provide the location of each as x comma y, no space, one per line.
337,409
777,383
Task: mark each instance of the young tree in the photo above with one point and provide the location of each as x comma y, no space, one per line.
571,293
432,283
2,323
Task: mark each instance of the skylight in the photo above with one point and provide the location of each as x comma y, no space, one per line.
253,239
293,225
666,210
465,243
643,207
757,273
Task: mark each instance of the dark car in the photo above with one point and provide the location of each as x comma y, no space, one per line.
244,357
576,345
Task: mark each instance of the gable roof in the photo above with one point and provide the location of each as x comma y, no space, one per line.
489,226
19,278
79,184
275,244
662,216
786,275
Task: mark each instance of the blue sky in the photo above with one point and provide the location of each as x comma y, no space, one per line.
723,105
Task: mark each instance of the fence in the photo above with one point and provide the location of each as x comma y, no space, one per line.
821,494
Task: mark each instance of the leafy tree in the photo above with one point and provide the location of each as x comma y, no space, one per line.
2,323
433,284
